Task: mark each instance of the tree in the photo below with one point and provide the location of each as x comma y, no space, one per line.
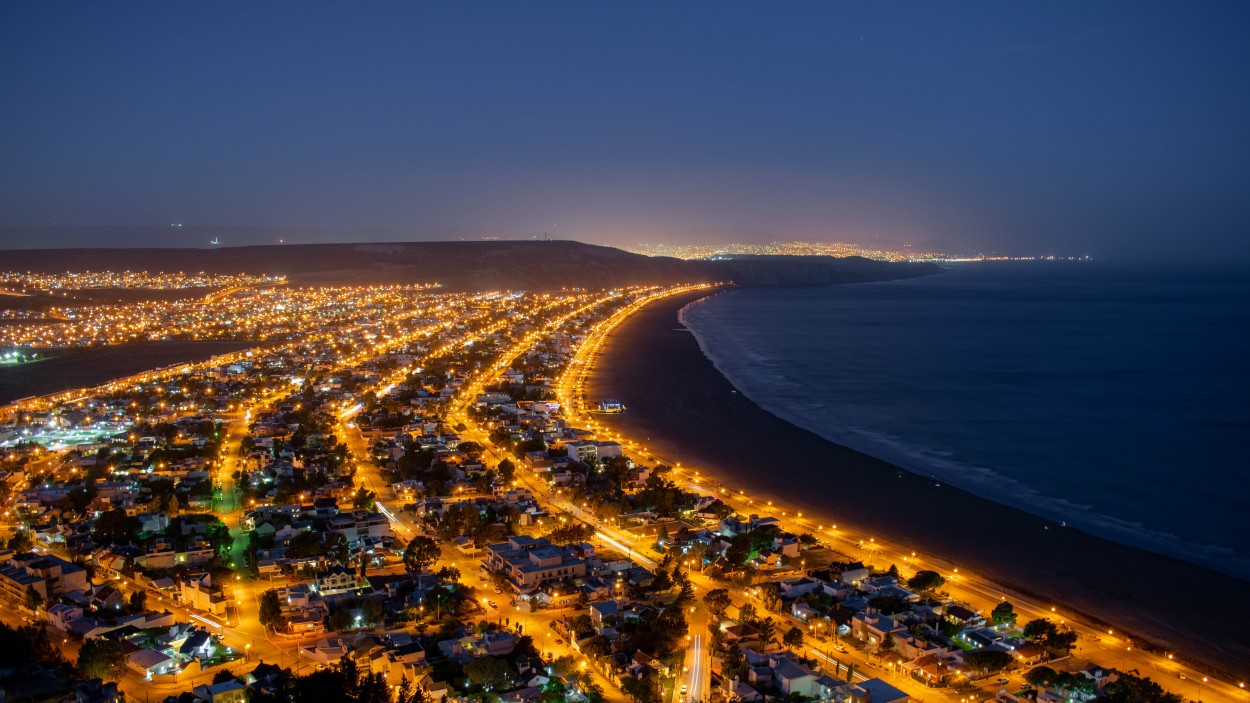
889,604
1045,633
27,644
887,642
506,469
21,541
717,602
1039,629
33,599
170,505
223,676
982,662
661,537
1134,689
364,498
342,619
640,690
739,549
793,639
591,691
1061,643
420,553
115,527
581,626
271,610
101,658
138,601
1040,676
337,548
893,573
407,693
746,614
925,580
488,672
768,631
372,612
597,646
770,594
1003,614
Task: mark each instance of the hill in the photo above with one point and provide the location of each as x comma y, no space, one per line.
472,265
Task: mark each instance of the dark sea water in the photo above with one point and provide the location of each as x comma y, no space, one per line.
1110,397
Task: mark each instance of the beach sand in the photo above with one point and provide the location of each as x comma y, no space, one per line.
682,409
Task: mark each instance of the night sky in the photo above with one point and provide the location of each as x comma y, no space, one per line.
1111,129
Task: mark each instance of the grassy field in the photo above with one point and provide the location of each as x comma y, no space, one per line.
45,300
89,367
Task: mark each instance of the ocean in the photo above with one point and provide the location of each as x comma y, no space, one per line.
1110,397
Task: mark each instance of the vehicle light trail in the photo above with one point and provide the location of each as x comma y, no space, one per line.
633,553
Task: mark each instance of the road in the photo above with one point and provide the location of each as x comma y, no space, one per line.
1097,643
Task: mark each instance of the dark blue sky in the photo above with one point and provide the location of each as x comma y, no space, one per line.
1115,129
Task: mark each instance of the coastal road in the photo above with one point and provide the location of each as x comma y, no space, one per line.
1100,644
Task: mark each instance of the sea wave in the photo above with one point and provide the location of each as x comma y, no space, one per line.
727,349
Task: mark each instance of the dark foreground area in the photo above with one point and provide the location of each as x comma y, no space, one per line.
91,367
685,409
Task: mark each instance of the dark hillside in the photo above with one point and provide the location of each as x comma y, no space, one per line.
477,265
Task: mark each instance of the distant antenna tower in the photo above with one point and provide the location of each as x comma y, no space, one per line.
546,237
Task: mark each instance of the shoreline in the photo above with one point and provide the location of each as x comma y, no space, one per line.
982,478
682,407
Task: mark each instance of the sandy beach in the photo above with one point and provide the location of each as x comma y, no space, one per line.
685,410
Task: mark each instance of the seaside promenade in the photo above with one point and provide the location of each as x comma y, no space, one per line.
1099,643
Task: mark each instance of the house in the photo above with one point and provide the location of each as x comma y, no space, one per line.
736,690
603,614
793,677
231,691
851,572
804,612
47,574
873,627
1029,653
338,579
794,588
876,691
61,616
742,635
324,651
198,592
147,662
530,562
934,669
304,621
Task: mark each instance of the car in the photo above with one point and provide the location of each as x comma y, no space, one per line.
1002,682
559,641
684,690
498,591
493,605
